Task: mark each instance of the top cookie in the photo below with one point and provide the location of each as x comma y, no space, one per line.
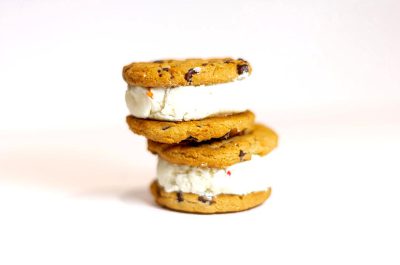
218,153
189,72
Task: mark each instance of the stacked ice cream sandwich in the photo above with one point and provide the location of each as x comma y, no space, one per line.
195,117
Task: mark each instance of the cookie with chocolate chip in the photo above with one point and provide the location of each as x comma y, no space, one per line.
218,153
193,203
189,72
193,131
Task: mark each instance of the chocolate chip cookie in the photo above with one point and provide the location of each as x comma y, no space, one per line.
193,203
218,153
193,131
189,72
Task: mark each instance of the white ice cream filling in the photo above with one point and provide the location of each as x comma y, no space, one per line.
187,102
239,179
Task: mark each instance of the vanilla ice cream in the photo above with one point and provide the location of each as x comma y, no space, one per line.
240,179
187,102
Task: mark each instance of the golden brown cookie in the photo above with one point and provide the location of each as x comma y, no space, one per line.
218,153
189,72
195,131
193,203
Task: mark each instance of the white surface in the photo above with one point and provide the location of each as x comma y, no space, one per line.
241,178
73,178
187,103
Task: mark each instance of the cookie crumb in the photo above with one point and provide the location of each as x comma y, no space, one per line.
149,93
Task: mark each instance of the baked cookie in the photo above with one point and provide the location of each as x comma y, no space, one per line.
195,131
189,72
193,203
218,153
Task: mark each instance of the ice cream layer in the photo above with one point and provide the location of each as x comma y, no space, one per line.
240,179
187,102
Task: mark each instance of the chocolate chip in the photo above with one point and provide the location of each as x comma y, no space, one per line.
241,155
165,128
202,199
191,139
179,196
244,68
190,73
160,75
228,61
205,199
204,64
165,69
158,61
159,71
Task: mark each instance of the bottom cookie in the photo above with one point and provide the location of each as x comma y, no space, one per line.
193,203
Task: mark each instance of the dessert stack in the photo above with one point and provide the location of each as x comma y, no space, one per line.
211,153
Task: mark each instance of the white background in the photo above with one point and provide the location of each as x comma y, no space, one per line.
74,179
